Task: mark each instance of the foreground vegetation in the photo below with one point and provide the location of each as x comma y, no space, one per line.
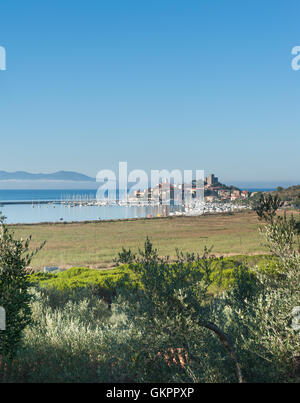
105,282
155,319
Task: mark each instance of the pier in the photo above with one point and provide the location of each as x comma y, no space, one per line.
5,203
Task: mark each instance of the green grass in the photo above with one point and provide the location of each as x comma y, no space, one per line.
79,277
96,244
104,282
107,281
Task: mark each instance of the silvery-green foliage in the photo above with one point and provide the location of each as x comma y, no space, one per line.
171,311
263,323
296,318
63,344
281,237
15,257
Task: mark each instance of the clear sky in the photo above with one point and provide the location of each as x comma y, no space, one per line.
189,84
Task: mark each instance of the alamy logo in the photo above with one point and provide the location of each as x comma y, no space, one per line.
296,59
2,318
2,58
296,318
162,187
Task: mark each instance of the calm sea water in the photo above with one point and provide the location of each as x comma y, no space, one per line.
45,194
259,190
28,213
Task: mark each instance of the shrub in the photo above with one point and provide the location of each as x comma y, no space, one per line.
62,344
15,257
104,283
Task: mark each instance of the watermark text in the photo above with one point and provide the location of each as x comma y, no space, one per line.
2,318
296,59
161,186
2,58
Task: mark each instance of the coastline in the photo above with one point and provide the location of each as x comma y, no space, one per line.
114,220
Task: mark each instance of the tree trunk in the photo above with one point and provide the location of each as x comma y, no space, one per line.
226,343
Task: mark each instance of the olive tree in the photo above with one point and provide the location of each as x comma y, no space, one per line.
267,324
15,298
171,301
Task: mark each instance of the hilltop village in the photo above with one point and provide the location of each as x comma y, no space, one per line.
212,189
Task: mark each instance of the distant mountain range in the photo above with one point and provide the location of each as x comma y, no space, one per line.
56,176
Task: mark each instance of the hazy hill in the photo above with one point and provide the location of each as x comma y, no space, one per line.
290,195
59,176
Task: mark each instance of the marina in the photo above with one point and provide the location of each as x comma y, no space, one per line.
27,213
52,206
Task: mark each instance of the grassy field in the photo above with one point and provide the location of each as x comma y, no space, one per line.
96,244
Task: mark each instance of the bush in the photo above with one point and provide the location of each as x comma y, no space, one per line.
15,257
103,283
62,344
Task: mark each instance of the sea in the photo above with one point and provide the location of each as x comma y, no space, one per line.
32,213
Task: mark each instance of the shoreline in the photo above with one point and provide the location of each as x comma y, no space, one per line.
121,220
127,219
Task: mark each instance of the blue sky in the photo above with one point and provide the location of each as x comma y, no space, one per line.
161,84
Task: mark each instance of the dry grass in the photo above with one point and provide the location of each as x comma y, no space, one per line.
95,244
